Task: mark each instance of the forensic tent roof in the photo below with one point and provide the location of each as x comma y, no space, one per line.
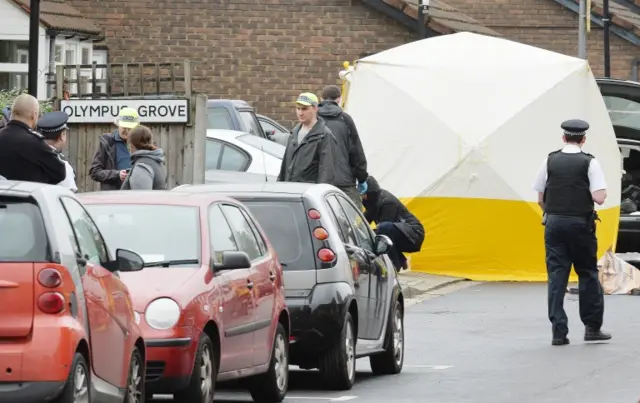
57,15
443,18
468,141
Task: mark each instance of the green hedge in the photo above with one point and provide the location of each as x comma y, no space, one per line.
7,98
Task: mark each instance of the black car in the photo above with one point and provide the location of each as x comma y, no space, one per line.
622,99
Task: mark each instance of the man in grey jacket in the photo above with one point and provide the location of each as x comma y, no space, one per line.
350,161
309,156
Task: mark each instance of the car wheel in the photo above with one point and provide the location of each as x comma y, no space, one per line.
338,365
78,386
203,378
271,387
391,361
135,382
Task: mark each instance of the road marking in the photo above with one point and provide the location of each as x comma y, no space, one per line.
331,399
436,367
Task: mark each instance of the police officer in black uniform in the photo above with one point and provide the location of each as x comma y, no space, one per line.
568,184
53,127
24,154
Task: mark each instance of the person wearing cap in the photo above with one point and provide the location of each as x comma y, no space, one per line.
24,154
350,160
112,159
568,183
53,127
309,155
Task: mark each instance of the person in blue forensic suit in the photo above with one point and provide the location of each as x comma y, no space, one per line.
568,183
53,127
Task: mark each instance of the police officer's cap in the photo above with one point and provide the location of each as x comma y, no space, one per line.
575,127
51,124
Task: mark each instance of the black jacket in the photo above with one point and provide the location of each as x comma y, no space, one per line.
351,163
381,206
103,166
312,160
25,156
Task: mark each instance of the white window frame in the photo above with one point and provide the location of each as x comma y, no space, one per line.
14,67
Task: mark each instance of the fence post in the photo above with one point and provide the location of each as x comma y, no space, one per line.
60,82
200,138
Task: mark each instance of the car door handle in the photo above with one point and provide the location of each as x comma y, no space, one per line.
249,284
350,248
272,277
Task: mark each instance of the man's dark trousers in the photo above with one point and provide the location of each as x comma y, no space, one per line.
572,240
400,242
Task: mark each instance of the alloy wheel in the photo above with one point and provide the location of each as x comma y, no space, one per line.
206,373
349,350
281,363
135,381
81,385
398,337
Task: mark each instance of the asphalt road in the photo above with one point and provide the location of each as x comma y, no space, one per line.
491,343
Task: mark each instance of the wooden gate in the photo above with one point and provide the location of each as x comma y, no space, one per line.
114,84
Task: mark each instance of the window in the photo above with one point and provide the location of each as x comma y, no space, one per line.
212,154
23,237
156,232
264,145
222,238
219,118
100,57
14,67
623,112
59,49
342,221
242,231
234,159
89,242
285,224
256,233
362,229
10,51
268,127
85,58
250,123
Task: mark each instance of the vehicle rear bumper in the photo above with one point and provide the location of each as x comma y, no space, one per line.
45,356
316,321
12,392
169,364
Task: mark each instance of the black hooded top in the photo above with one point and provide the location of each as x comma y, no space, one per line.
383,206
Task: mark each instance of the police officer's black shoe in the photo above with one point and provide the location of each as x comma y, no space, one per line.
591,334
559,341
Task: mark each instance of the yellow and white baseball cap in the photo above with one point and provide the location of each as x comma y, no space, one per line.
128,118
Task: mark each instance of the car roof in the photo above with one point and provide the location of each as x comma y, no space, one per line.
152,197
617,81
269,189
34,189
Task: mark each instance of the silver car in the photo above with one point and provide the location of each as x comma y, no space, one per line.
342,291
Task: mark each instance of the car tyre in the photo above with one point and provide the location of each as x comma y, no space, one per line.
391,361
338,365
135,381
271,387
201,387
77,389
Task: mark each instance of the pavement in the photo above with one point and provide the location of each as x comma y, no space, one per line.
469,342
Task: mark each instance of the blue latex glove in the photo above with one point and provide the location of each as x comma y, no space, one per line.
362,187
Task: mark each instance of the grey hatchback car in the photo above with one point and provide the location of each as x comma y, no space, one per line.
341,288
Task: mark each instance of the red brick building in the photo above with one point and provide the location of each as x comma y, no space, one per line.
267,52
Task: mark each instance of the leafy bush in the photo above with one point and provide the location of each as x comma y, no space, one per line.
7,98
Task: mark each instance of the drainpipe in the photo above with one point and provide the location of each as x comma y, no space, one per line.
52,65
607,48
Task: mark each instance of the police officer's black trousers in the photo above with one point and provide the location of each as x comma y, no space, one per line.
572,240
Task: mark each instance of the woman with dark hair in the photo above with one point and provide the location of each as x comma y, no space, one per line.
147,171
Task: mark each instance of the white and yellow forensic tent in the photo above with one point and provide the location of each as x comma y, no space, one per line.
457,126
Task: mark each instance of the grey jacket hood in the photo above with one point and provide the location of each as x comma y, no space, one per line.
329,108
156,155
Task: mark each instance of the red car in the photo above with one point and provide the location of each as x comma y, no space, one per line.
211,295
68,331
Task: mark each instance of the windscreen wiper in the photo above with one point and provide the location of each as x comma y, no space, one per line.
167,263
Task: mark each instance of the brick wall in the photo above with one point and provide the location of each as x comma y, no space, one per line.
548,25
263,52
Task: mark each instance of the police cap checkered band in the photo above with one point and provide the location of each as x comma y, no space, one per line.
53,129
568,133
